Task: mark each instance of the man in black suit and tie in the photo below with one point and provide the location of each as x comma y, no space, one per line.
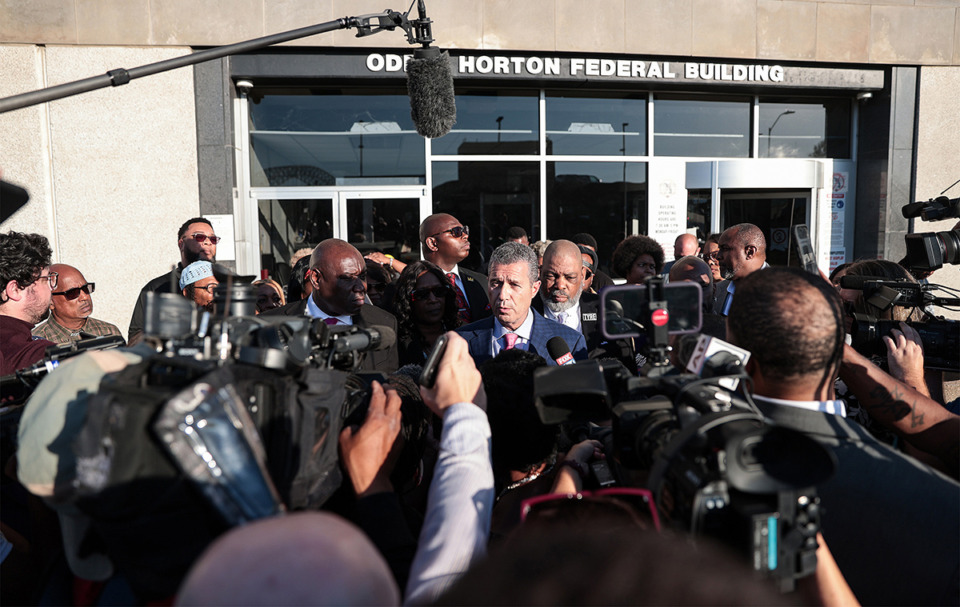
445,242
512,285
338,275
562,299
891,522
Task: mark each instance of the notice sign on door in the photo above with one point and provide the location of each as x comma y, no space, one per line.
838,211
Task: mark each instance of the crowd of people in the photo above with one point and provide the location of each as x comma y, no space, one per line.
466,519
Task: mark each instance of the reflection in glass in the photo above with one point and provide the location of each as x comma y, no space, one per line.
606,199
489,197
489,122
701,127
775,214
698,212
801,129
289,225
385,224
580,124
348,137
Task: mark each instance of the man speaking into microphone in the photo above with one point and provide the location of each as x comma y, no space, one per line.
512,283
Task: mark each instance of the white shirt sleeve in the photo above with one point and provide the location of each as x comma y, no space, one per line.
459,505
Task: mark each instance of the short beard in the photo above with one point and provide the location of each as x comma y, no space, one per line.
192,256
563,306
728,273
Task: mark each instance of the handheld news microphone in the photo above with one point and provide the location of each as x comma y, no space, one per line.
430,83
559,351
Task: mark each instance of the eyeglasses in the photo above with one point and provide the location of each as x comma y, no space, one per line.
209,288
74,293
710,256
439,292
456,232
50,277
635,503
201,237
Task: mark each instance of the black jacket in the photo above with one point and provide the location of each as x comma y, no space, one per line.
598,346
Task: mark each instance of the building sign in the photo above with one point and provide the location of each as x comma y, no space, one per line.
639,70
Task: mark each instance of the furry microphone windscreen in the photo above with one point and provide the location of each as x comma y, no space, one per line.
430,86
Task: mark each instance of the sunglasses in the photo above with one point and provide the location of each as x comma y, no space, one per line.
423,293
634,503
457,232
710,256
201,237
74,293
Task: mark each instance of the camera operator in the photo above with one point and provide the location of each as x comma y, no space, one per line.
791,322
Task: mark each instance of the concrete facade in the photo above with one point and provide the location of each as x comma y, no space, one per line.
113,173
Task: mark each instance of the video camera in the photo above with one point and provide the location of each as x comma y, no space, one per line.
929,251
715,466
941,338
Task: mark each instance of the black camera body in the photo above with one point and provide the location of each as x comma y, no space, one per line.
929,251
716,467
941,339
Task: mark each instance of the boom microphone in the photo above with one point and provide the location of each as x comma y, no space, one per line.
559,351
430,84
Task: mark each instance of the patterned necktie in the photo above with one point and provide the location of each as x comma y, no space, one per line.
511,339
463,311
331,321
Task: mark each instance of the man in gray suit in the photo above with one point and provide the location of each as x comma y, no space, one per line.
891,522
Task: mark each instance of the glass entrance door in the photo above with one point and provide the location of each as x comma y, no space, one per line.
381,221
774,212
371,220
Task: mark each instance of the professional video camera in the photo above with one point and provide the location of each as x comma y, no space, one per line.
247,409
929,251
941,338
714,465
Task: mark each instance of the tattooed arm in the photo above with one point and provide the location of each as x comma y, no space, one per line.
916,418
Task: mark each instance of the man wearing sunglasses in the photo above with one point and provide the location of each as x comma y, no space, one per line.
28,285
197,242
445,242
70,317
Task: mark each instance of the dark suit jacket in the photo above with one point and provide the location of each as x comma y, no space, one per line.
891,522
479,334
598,346
719,296
475,285
385,361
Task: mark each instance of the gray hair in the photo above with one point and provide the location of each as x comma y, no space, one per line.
540,246
513,252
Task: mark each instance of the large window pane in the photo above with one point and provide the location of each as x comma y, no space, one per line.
774,213
803,129
289,225
698,212
390,225
335,137
489,197
492,122
701,127
581,124
606,199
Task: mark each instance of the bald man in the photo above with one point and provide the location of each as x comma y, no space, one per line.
445,242
338,276
71,309
307,558
685,244
563,298
743,251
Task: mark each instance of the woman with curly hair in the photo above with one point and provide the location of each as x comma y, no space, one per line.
426,307
637,258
